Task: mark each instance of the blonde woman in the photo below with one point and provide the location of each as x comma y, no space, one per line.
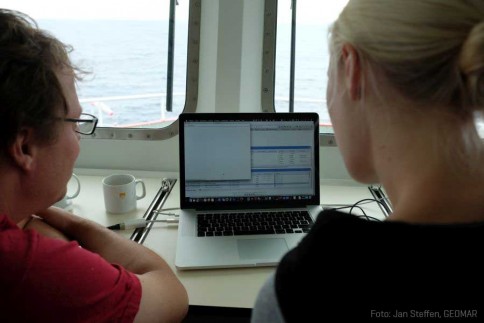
406,85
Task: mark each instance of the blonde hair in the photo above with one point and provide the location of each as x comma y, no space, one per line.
431,51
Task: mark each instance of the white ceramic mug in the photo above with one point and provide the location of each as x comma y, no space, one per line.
120,192
66,202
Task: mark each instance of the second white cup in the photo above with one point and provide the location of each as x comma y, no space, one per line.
120,192
66,202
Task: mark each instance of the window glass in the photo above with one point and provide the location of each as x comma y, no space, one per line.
313,19
123,45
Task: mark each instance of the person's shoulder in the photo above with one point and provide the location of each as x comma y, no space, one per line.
14,242
332,216
332,221
6,223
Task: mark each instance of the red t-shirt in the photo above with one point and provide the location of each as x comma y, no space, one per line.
50,280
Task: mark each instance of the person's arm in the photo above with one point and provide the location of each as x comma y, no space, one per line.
37,224
163,296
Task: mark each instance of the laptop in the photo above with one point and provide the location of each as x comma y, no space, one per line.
249,187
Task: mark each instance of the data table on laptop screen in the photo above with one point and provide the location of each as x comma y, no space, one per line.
237,159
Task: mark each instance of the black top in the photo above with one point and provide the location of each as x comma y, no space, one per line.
353,270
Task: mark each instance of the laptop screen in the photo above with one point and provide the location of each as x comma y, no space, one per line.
248,160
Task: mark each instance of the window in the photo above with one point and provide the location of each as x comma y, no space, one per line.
124,45
313,18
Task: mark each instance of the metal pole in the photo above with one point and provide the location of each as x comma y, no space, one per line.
293,56
171,56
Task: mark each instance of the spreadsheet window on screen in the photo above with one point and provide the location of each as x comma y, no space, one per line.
252,158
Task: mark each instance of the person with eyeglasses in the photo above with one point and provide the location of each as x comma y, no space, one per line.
56,266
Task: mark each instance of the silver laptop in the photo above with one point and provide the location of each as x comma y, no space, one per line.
249,187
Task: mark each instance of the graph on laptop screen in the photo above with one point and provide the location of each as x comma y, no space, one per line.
234,160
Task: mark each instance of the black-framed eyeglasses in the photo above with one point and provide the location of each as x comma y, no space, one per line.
86,124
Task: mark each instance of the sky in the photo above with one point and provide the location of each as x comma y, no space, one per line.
94,9
311,11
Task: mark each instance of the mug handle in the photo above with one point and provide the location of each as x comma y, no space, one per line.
78,190
139,181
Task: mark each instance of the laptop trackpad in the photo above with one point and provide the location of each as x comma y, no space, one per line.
261,248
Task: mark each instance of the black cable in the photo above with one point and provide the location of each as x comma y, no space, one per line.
362,211
357,205
364,201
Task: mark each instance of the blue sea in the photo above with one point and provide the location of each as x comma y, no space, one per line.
127,63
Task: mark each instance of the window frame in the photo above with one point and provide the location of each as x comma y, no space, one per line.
269,67
191,97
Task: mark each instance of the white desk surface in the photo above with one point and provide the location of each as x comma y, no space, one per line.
212,287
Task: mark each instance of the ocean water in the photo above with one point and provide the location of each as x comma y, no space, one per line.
311,64
127,61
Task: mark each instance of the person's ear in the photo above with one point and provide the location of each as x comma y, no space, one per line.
23,149
352,66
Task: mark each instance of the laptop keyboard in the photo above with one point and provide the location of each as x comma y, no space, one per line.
250,223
